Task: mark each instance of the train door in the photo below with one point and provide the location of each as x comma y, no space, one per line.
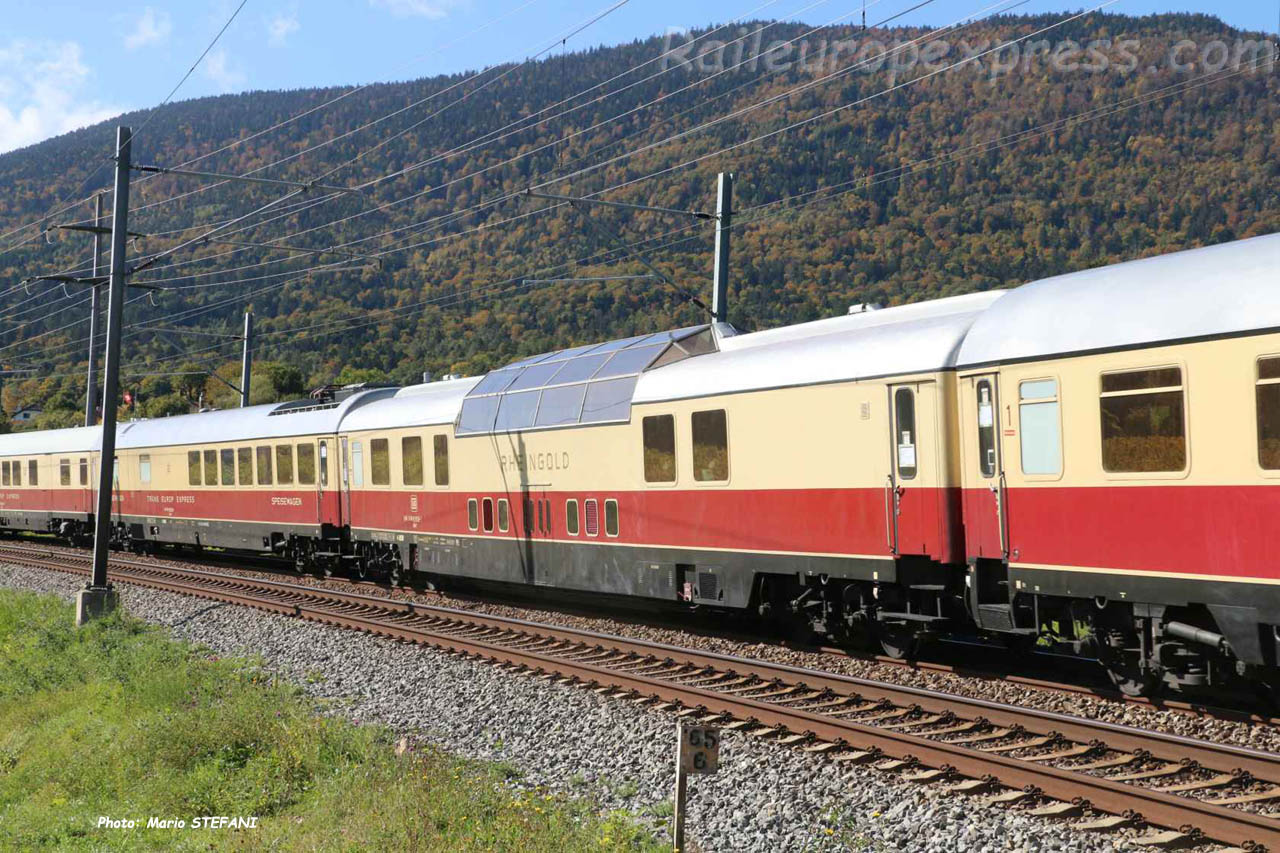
344,500
911,505
985,494
328,502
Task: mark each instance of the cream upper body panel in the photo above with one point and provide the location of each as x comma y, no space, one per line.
1218,379
824,436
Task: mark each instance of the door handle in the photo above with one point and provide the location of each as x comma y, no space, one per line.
890,513
998,491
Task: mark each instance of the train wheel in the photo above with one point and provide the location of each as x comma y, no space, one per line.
1128,676
899,642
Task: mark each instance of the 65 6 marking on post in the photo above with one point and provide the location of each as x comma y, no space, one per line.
699,749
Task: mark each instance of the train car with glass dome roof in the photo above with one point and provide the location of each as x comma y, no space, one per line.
1088,464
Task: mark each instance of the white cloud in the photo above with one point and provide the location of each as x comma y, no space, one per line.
419,8
42,92
281,26
217,67
152,28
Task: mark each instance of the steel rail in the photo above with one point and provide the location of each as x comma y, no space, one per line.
439,627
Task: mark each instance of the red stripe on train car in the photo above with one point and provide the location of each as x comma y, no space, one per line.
828,521
1227,531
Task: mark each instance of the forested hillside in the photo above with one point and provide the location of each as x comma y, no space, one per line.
875,183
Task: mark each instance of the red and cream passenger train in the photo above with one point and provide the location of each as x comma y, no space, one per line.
1089,463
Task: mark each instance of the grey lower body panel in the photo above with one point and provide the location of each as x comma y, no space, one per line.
236,535
723,578
39,520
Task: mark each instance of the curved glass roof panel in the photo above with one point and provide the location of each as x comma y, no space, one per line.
578,369
629,361
495,382
516,411
535,376
477,414
584,384
609,400
561,405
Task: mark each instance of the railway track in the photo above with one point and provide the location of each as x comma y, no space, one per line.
1058,765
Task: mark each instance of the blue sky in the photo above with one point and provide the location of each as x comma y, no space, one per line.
66,64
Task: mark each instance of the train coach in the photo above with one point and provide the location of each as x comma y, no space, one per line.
1087,464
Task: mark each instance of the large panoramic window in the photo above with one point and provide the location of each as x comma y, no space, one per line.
379,462
411,460
264,466
1143,424
441,446
659,448
306,465
1269,413
284,464
710,446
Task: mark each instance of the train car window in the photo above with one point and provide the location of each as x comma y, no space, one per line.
244,461
473,514
211,467
486,511
263,452
411,460
571,517
357,463
17,473
324,464
1041,427
710,446
1269,413
284,464
227,456
659,434
33,473
504,515
306,465
528,517
84,472
986,429
547,504
904,418
379,462
193,468
144,468
611,517
441,446
591,509
4,473
542,528
1143,425
64,472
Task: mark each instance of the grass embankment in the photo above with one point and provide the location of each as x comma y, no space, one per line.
116,720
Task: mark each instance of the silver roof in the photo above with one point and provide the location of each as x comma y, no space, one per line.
416,405
245,424
1218,290
75,440
917,338
589,384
